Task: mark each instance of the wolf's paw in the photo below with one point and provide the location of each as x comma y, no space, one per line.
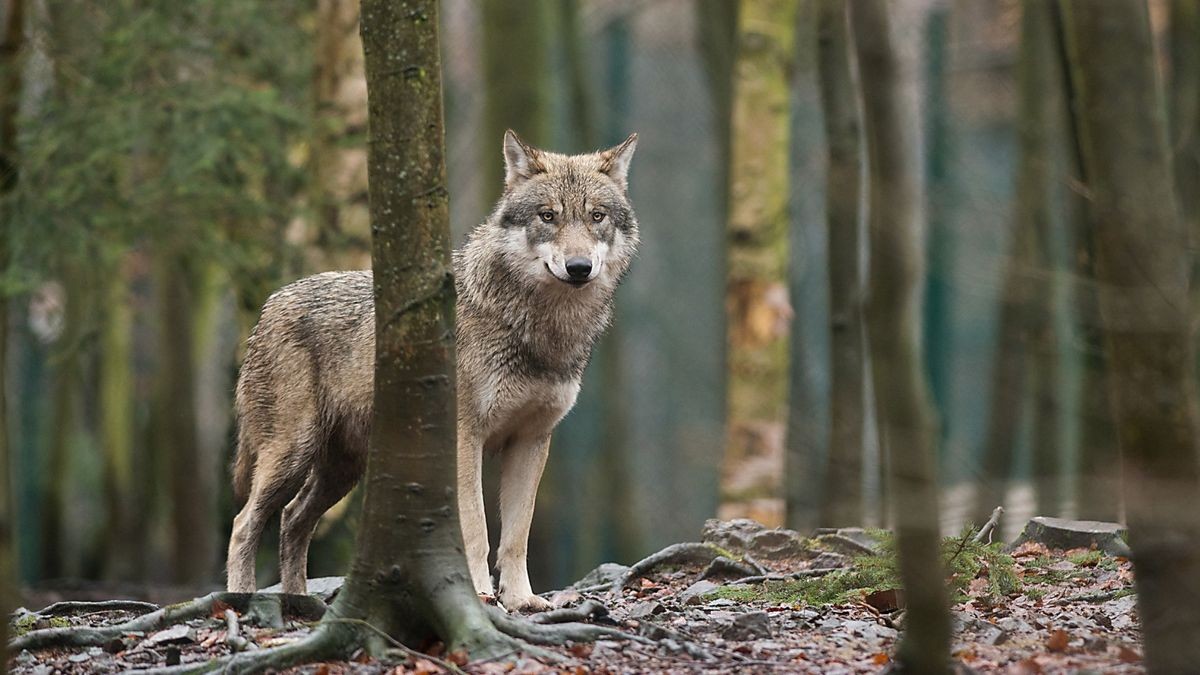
528,604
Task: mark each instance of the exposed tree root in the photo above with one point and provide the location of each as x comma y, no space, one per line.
267,606
722,566
588,609
556,633
802,574
79,607
690,553
330,640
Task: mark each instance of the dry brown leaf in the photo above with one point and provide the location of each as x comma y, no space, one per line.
1027,667
1058,641
1127,655
425,667
580,650
881,659
458,658
1030,549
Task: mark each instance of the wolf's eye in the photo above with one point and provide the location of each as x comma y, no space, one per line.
597,216
547,216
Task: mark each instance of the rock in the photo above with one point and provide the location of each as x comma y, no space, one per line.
694,594
79,658
868,542
748,626
605,575
324,588
744,536
641,610
177,634
841,544
1013,625
1066,534
827,560
565,597
720,602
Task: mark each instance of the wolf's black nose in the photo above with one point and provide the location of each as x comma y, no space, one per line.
579,268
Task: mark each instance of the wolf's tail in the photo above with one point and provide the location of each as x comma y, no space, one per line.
243,469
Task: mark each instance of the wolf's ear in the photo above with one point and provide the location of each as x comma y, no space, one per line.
521,160
615,160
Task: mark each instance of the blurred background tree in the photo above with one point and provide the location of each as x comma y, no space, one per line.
181,161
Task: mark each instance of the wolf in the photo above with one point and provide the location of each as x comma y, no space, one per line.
535,284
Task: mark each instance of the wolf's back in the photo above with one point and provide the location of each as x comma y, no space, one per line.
308,369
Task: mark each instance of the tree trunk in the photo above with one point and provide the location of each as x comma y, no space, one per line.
192,524
893,312
1184,49
758,312
13,36
717,30
516,81
1026,347
116,410
64,420
841,502
1143,267
1098,484
338,236
410,576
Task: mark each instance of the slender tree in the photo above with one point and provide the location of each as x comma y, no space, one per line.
758,312
893,311
1143,269
841,503
717,32
12,36
1025,361
516,80
1098,487
338,236
116,409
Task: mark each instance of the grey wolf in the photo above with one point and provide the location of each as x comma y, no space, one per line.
535,284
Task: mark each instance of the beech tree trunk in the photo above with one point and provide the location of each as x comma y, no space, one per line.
1025,362
758,311
339,235
841,502
1143,269
116,410
516,82
409,576
893,312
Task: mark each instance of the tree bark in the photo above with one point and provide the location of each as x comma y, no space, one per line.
410,577
516,81
1143,268
192,523
338,236
758,312
116,409
717,30
841,502
11,47
1025,362
893,313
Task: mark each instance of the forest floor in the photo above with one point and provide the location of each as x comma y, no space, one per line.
746,600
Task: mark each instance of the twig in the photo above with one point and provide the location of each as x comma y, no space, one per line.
723,566
986,531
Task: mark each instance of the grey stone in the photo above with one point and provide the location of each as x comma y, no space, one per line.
827,560
779,543
720,602
748,626
605,575
694,594
843,545
1065,534
324,588
79,658
641,610
732,535
1013,625
177,634
744,536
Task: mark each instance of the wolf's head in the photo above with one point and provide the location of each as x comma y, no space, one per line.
566,220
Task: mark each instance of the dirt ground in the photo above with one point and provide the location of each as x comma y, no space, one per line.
1061,611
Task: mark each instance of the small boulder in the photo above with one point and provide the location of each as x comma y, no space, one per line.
324,588
744,536
748,626
604,575
694,594
1065,534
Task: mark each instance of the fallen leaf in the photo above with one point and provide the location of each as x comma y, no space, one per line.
580,650
885,601
1127,655
218,609
425,667
1027,667
881,659
1030,549
458,658
1058,641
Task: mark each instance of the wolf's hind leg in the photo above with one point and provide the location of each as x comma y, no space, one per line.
275,482
323,488
520,472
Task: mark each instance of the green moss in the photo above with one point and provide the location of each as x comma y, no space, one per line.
1035,593
29,622
963,559
1086,558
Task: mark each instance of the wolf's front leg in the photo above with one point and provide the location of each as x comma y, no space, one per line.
520,472
470,509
